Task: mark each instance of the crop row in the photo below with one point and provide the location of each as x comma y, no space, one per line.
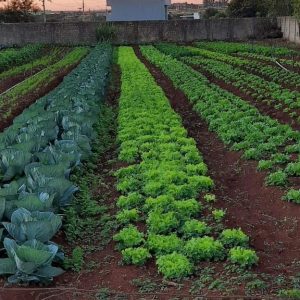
42,62
236,122
231,48
250,84
161,185
37,154
9,100
284,61
15,57
274,73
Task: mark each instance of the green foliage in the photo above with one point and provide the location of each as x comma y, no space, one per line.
247,8
209,198
159,222
243,257
106,33
218,214
129,237
186,209
204,249
51,138
265,165
174,266
164,244
16,57
76,261
136,256
278,178
293,169
130,201
29,262
233,238
195,228
289,294
127,216
292,196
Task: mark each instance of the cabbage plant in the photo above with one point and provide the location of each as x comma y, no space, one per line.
29,262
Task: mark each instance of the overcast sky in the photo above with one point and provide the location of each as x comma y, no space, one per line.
89,4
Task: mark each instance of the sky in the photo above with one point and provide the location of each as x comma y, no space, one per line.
89,4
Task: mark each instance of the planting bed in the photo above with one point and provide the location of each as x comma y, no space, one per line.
153,172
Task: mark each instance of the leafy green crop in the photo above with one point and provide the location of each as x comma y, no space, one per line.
37,154
16,57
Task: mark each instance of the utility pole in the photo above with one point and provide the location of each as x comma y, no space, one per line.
83,6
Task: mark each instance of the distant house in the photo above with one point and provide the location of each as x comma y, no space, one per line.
138,10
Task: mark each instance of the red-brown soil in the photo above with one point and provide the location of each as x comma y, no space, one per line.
250,205
271,223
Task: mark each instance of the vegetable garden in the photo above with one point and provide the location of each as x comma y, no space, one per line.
150,172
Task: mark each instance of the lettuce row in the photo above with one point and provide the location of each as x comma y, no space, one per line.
236,122
37,154
162,182
15,57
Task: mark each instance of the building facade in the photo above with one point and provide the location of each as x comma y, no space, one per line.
138,10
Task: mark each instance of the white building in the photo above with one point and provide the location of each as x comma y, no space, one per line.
138,10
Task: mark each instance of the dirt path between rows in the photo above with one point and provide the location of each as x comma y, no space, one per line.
272,224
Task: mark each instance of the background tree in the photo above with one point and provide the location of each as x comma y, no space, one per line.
296,8
18,11
247,8
44,9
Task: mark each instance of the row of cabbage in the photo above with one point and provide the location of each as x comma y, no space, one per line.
231,48
236,122
37,154
15,57
249,83
159,211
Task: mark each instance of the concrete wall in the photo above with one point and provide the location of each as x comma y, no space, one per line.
137,32
137,10
290,29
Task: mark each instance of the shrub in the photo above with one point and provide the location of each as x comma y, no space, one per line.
159,222
164,244
289,294
205,248
130,201
106,33
234,237
174,266
278,178
243,257
136,256
129,237
127,216
292,196
195,228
